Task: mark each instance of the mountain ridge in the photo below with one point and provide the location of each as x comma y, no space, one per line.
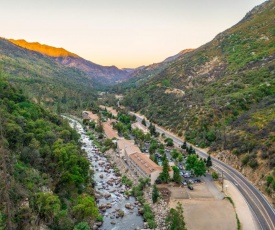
42,48
102,74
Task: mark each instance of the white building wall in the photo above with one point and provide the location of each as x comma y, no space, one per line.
154,176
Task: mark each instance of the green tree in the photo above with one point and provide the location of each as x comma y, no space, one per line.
183,146
176,176
269,180
180,158
82,226
208,161
191,150
200,168
164,175
86,208
169,142
175,154
108,143
195,165
191,161
155,194
153,158
152,224
215,175
47,205
152,129
175,218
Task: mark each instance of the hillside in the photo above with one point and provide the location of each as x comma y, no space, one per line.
221,95
101,74
45,178
143,74
43,79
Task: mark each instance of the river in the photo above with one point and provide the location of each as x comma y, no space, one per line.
109,191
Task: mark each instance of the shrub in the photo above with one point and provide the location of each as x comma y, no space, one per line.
215,175
253,163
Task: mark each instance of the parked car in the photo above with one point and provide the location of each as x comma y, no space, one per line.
158,181
184,182
190,187
186,175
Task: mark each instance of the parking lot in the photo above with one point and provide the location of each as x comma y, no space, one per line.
204,203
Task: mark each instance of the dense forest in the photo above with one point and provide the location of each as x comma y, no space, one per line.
45,178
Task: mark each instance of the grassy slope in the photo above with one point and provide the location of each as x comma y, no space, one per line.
229,87
43,79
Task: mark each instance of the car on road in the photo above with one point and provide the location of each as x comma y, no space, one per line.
190,187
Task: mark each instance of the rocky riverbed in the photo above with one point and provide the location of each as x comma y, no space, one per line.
118,210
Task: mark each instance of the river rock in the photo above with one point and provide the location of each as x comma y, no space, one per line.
140,211
110,183
145,225
101,176
128,205
107,195
98,223
113,222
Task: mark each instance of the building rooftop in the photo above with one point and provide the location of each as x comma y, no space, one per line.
145,163
108,130
132,149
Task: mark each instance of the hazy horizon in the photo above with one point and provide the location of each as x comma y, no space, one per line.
121,33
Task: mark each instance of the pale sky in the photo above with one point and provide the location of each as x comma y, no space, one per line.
125,33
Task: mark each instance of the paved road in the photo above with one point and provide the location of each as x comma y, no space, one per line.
261,208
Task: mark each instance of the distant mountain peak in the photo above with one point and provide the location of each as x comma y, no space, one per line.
44,49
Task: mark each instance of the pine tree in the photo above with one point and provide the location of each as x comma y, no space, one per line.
208,161
155,194
175,218
176,176
184,145
165,177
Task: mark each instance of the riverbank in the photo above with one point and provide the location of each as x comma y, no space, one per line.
118,211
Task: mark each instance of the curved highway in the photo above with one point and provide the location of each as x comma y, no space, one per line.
261,208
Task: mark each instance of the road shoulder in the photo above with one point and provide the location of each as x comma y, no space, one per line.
242,209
